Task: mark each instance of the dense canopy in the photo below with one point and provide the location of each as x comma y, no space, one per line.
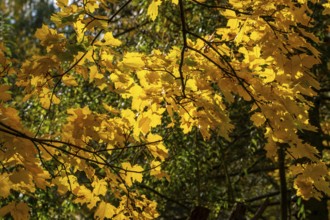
164,109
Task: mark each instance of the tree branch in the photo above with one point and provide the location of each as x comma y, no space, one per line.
184,37
283,188
163,196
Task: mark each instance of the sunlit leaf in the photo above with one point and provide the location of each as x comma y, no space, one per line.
105,210
153,9
132,173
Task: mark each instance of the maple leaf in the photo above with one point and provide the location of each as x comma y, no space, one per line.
21,176
111,109
91,5
133,59
229,14
309,177
153,9
47,98
5,186
258,119
94,74
100,187
64,183
157,149
69,80
79,28
156,171
304,187
86,196
4,95
42,33
105,210
48,36
132,173
326,8
143,125
17,210
62,3
108,40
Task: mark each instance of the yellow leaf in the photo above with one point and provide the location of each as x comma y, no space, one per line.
108,40
144,124
91,6
255,36
94,73
301,150
85,196
100,187
21,211
156,171
271,149
79,27
268,75
17,210
304,187
42,32
133,59
62,3
48,36
69,80
40,179
228,13
21,176
156,120
110,109
175,1
7,209
5,186
256,51
4,95
56,100
65,183
153,9
192,85
241,34
138,92
155,166
107,56
154,138
158,150
129,116
258,119
105,210
132,173
46,96
233,23
326,8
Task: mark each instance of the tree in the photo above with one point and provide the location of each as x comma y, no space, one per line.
103,102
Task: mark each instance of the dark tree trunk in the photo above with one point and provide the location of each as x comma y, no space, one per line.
199,213
238,212
283,187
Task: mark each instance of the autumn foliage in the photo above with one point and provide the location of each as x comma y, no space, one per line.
263,54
